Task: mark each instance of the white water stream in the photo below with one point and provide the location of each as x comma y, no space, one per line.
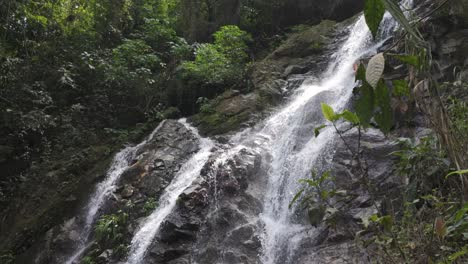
119,164
184,178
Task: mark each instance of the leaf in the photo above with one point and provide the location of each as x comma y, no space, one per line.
298,194
375,69
440,228
373,13
365,104
398,15
459,172
458,254
350,117
328,113
387,222
384,116
317,130
361,73
408,59
400,88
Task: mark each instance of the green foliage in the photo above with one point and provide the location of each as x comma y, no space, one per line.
111,228
134,54
457,108
384,113
328,113
457,226
206,106
365,103
210,66
88,260
221,62
373,12
422,163
150,205
331,116
412,60
318,197
233,43
400,88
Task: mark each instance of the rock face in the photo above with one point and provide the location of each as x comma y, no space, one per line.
215,219
153,167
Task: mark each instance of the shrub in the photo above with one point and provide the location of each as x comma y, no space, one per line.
149,206
220,62
110,228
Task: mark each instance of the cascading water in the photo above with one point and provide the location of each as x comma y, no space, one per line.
119,164
184,178
289,150
292,160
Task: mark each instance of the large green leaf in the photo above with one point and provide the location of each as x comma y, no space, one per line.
384,115
328,113
373,12
365,104
350,117
459,172
361,73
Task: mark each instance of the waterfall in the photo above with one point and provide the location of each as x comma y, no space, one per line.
119,164
288,148
184,178
292,157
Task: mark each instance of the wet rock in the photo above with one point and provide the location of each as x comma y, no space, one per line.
127,191
294,69
105,256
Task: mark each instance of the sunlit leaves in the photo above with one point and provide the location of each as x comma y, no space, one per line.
400,88
329,113
220,62
373,12
350,117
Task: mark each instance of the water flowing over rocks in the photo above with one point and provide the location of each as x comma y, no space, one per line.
218,217
151,170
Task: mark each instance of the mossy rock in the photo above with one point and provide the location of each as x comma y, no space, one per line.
230,111
308,41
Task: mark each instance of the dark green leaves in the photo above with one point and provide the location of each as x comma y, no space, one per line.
373,12
317,130
384,115
365,104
